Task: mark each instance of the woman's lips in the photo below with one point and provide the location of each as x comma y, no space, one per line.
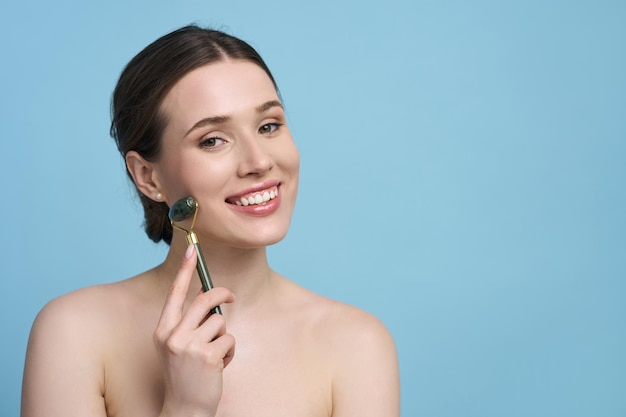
259,197
267,205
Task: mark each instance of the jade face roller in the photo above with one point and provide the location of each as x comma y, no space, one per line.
181,210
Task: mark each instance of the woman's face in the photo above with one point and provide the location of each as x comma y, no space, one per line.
226,143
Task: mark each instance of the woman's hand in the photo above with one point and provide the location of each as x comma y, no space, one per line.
194,349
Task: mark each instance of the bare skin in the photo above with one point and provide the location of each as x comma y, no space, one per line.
297,354
144,347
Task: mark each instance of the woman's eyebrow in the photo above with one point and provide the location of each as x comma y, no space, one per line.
213,120
216,120
268,105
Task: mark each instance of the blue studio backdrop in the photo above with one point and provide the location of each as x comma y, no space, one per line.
463,178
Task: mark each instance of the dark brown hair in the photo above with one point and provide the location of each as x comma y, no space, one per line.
137,123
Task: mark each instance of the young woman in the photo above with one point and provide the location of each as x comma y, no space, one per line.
197,113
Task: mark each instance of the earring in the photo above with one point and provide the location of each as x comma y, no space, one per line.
158,196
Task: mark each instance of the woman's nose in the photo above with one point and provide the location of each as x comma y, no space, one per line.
255,158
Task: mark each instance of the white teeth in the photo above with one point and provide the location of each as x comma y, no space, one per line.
260,198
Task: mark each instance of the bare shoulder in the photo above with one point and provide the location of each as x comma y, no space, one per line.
339,321
86,308
64,369
86,321
360,352
357,336
64,372
79,323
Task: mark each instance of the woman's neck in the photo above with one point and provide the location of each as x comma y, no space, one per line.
243,271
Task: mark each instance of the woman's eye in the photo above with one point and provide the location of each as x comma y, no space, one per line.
211,142
269,128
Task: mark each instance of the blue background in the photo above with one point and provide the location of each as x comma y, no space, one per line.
463,178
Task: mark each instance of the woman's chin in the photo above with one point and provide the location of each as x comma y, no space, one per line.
242,239
260,241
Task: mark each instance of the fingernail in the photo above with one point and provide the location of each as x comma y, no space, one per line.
189,251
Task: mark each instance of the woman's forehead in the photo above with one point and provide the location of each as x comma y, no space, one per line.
227,89
221,88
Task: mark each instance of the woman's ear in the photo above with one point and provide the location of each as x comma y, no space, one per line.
143,173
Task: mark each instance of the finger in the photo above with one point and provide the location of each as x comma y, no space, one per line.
174,303
202,305
224,347
212,328
230,353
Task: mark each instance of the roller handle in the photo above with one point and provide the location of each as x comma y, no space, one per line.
203,271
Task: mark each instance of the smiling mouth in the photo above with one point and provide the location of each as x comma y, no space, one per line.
256,198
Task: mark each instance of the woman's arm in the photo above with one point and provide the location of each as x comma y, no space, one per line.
366,377
63,375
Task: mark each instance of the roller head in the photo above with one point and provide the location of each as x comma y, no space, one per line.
183,209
